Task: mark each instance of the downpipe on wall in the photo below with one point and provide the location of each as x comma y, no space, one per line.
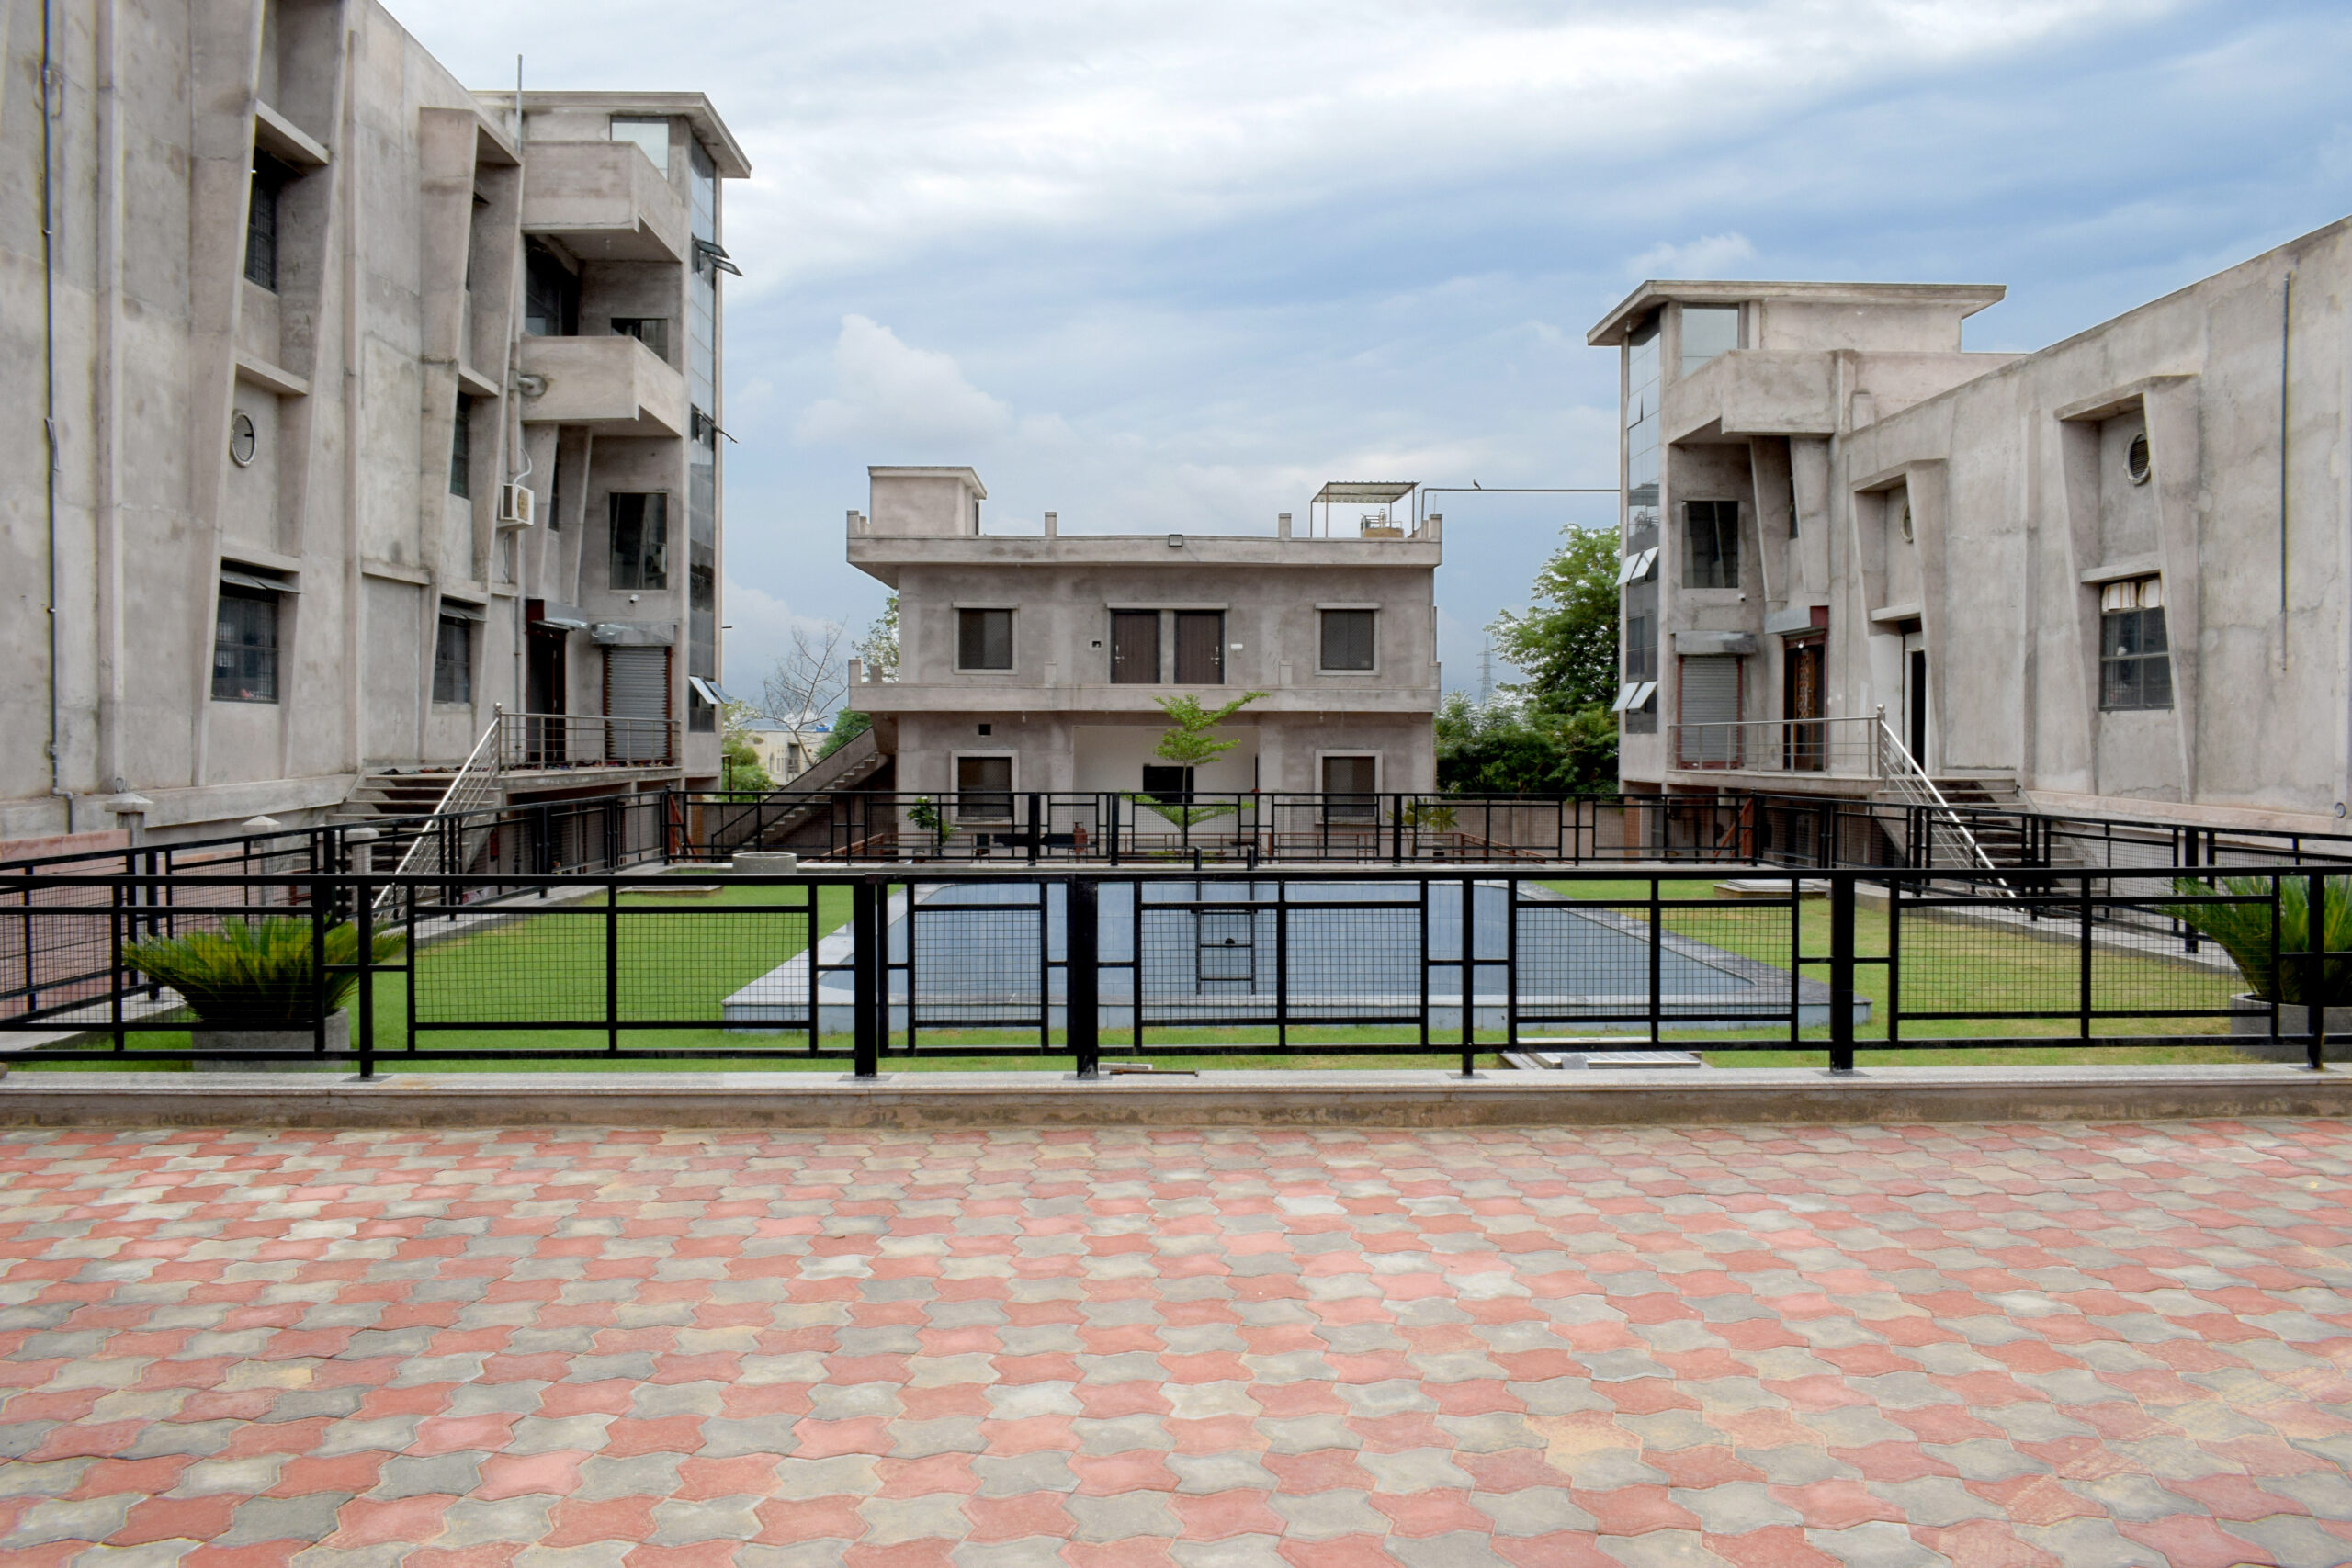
49,94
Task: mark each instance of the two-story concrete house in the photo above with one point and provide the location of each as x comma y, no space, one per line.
351,404
2109,576
1031,662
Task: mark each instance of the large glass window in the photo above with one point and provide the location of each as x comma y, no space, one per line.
984,788
453,660
244,646
653,332
640,541
1641,433
1348,638
1708,331
2134,656
1134,647
1200,648
1637,690
269,181
551,293
650,131
1710,544
461,447
983,639
702,392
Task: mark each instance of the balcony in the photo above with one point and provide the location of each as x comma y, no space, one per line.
613,386
605,200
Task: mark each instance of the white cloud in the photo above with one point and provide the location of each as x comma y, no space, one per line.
1717,255
889,394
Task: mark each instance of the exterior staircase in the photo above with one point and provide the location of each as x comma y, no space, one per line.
774,818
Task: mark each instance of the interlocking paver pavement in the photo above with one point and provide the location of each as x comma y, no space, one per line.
1536,1349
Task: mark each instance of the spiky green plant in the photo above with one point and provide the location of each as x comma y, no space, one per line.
2244,932
257,974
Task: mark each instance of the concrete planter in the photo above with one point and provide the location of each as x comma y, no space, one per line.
296,1044
764,863
2291,1024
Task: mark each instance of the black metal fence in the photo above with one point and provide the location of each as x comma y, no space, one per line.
1086,967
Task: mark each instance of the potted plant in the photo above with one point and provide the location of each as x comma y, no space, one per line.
925,813
254,985
2244,932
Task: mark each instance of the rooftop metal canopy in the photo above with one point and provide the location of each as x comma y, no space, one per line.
1362,492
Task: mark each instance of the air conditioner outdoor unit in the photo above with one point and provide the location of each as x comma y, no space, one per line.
517,507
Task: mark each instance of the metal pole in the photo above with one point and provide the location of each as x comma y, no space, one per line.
1081,975
868,976
1841,972
1469,975
366,956
2315,976
1658,964
2082,916
612,962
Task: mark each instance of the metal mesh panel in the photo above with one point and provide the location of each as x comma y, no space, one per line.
975,958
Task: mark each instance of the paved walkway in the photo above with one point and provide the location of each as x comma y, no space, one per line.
1985,1346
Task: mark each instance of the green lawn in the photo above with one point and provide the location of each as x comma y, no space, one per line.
1950,966
677,961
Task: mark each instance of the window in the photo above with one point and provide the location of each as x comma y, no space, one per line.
1134,647
2134,658
1711,535
1200,648
244,646
453,657
1349,783
651,133
2137,466
269,180
1347,639
1708,331
983,639
1168,783
653,332
640,540
461,447
984,788
550,294
1641,434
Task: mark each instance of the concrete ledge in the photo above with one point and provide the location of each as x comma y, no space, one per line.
1304,1098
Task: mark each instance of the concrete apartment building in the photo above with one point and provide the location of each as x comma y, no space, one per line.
2109,576
1031,662
378,402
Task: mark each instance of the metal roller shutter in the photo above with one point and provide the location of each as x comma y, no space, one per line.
637,685
1709,695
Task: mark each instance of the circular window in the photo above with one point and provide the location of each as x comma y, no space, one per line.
1906,520
2135,460
242,440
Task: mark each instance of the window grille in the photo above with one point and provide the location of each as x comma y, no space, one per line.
2134,655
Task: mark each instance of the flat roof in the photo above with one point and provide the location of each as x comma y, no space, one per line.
1970,298
1365,493
696,107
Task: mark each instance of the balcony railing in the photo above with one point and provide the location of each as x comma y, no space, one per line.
1835,748
585,740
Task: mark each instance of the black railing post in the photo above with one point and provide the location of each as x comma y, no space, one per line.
114,976
1114,799
1658,964
1082,974
2083,917
1036,833
1397,829
364,1026
1841,972
1469,975
870,977
320,901
2316,976
613,962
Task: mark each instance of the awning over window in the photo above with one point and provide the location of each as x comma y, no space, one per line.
1632,695
556,617
1636,567
459,610
238,577
635,634
708,691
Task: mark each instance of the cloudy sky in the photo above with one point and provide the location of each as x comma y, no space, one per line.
1173,266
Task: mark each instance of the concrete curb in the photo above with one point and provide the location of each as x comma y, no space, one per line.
1301,1099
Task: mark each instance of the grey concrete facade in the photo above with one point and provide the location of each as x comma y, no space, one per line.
1055,711
328,430
1957,539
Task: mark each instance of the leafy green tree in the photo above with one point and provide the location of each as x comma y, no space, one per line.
1189,744
848,725
1505,748
1567,643
739,761
878,650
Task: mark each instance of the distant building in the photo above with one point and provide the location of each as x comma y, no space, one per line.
1032,661
785,751
2109,576
378,401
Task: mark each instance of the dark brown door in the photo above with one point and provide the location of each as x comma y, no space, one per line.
543,697
1917,691
1801,699
1200,648
1134,647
